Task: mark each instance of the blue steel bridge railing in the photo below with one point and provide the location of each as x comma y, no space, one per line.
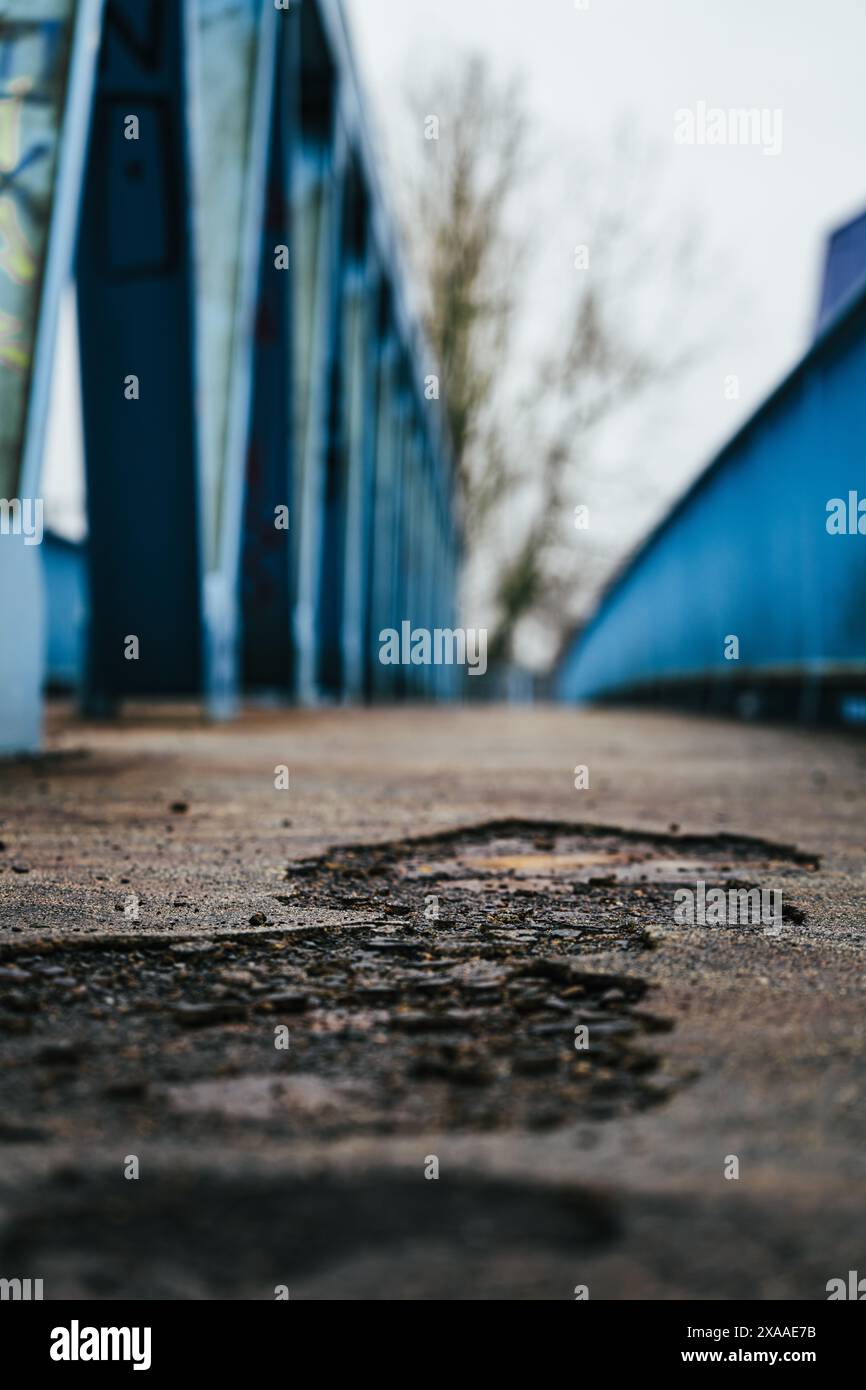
768,547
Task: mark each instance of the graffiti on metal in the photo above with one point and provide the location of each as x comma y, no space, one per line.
35,38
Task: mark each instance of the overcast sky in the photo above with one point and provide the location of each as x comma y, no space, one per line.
584,69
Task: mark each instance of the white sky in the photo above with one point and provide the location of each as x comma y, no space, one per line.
583,71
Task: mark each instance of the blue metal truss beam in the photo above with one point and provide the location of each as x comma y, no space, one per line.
219,387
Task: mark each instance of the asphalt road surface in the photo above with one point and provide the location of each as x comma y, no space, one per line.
357,1004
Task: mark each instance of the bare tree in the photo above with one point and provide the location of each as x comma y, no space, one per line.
522,453
468,256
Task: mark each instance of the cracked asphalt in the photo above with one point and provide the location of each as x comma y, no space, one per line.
290,1005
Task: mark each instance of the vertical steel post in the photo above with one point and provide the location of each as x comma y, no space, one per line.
319,178
270,533
232,48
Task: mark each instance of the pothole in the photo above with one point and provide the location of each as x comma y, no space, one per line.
452,989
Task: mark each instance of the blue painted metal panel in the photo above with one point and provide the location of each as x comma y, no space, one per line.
358,402
135,297
318,183
381,678
268,572
330,580
747,551
358,652
844,268
65,576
